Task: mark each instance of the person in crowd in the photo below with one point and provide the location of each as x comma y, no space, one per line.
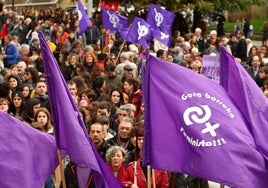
246,28
68,69
41,93
117,97
253,51
138,173
124,60
111,76
201,44
89,61
30,109
115,157
265,88
87,95
125,110
105,108
11,53
21,66
105,122
132,88
80,83
14,83
98,86
123,135
96,133
42,121
4,105
263,75
17,104
242,46
31,77
253,71
73,90
26,92
233,44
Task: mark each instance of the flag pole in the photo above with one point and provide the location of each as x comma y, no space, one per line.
123,45
148,176
61,169
135,172
221,186
153,179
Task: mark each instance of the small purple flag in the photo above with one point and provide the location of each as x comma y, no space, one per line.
71,134
140,32
27,156
113,21
248,98
161,21
192,127
84,21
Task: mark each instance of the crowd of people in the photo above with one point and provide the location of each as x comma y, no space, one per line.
103,76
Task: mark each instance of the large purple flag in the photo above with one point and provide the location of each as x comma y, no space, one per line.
114,22
27,156
84,21
192,127
70,131
248,98
161,21
140,32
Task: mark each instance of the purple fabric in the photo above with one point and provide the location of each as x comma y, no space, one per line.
84,21
70,131
192,127
140,32
27,156
160,20
248,98
114,22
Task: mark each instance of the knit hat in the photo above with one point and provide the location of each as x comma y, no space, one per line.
17,94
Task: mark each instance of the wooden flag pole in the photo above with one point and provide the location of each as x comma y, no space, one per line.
148,176
61,169
135,172
221,186
117,57
153,178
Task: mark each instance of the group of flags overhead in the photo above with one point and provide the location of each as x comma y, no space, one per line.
207,130
157,25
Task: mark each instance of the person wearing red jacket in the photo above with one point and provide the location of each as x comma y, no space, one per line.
138,173
115,158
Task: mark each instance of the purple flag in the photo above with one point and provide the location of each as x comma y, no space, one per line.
114,22
70,131
192,127
140,32
248,98
161,21
27,156
84,21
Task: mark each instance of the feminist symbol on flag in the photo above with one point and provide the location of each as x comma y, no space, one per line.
164,35
142,30
158,18
113,18
195,112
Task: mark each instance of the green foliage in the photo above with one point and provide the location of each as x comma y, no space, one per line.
206,6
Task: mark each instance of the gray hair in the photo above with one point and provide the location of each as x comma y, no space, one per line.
112,150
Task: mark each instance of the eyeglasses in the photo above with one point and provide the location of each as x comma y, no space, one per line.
27,73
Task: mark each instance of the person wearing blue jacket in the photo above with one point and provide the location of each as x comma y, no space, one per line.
11,52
